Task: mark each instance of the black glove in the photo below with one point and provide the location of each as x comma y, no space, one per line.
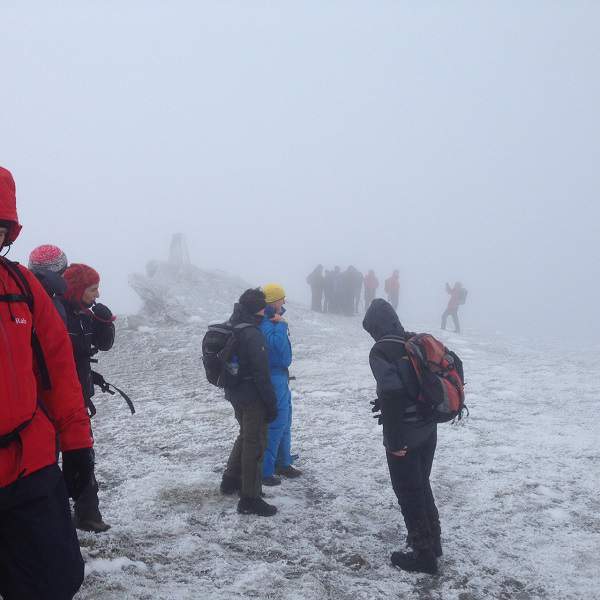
376,409
78,468
98,380
102,312
271,413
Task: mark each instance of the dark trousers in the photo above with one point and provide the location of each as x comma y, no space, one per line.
87,506
410,480
39,551
245,460
369,297
454,314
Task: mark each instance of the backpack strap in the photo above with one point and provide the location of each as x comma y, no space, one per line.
392,338
26,296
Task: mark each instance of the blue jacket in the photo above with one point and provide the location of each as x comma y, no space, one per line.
279,347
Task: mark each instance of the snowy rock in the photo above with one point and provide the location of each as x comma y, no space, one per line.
177,292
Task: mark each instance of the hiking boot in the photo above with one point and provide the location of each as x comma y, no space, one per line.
271,481
95,526
229,485
436,538
418,561
288,471
255,506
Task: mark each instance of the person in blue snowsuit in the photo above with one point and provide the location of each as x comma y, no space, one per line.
278,459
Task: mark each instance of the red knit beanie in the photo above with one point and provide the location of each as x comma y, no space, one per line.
48,257
79,277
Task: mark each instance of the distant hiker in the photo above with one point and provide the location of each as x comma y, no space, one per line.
346,292
91,329
278,458
357,284
409,439
317,286
255,406
48,263
392,289
371,285
458,296
41,413
337,292
328,285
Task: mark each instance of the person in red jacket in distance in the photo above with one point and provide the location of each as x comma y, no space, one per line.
40,403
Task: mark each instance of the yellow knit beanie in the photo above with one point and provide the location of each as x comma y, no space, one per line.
273,292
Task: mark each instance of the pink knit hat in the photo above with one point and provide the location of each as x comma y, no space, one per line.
48,257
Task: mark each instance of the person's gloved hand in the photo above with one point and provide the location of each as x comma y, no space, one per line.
271,413
78,468
103,313
376,409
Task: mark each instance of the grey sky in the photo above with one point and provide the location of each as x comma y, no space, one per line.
452,140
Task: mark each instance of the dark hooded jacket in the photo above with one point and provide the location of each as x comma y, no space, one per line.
55,285
397,383
255,385
88,335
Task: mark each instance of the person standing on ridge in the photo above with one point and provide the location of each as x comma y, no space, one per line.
328,284
255,406
317,286
392,289
48,263
409,439
371,285
337,291
41,413
346,303
458,296
91,329
357,284
278,459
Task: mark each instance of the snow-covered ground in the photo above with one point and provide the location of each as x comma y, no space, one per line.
517,483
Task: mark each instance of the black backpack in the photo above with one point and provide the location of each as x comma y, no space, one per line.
219,346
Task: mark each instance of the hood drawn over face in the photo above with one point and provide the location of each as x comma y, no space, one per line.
381,320
8,205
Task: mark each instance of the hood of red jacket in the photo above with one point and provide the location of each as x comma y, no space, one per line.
8,205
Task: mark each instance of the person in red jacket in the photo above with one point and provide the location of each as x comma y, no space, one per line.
371,285
392,289
41,413
458,296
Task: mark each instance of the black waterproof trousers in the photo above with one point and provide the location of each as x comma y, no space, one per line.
246,458
87,506
39,551
410,480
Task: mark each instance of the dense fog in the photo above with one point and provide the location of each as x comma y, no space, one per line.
452,141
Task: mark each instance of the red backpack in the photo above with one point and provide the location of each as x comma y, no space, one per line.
440,374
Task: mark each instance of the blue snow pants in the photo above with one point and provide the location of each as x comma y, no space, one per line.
279,442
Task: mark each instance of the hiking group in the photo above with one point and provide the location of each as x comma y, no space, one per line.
339,292
52,327
419,384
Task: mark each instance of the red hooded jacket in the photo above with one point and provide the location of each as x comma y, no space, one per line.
19,384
